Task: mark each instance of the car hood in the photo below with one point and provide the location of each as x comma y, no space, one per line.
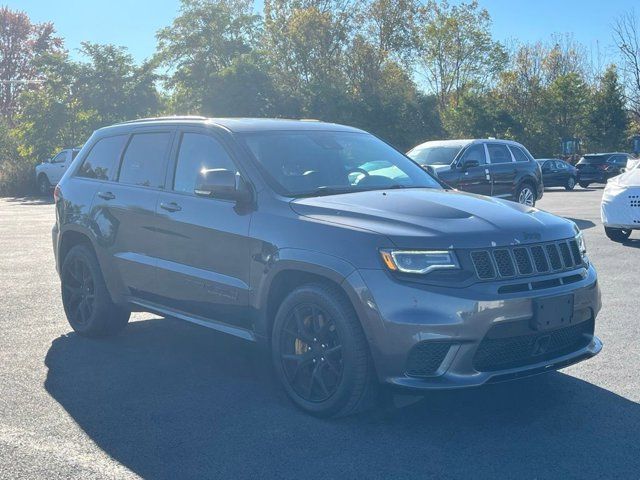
432,218
630,178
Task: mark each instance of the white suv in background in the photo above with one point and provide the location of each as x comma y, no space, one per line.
50,171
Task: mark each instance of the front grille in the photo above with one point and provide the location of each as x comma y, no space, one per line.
426,357
510,262
483,264
519,351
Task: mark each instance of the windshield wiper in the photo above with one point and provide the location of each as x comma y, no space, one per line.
327,190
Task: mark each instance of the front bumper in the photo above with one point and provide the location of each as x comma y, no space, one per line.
400,316
620,207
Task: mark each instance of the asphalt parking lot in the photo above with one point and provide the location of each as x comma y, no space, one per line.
171,400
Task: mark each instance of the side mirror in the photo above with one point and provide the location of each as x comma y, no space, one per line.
467,164
221,183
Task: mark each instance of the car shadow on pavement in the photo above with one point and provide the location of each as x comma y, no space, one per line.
29,200
581,223
171,400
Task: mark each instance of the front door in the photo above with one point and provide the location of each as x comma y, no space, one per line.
205,258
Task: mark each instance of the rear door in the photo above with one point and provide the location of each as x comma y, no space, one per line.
502,168
206,250
124,207
474,179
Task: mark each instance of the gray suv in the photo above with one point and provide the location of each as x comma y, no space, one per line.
351,263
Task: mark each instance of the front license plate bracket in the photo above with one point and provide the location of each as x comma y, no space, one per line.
552,312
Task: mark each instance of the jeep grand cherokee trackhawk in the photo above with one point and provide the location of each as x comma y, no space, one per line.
352,263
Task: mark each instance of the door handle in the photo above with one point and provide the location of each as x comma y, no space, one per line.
106,195
171,207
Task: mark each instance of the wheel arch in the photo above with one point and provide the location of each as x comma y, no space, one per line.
69,239
293,269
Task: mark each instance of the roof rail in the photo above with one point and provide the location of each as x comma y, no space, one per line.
175,117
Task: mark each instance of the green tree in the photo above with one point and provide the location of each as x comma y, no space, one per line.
201,51
607,124
456,50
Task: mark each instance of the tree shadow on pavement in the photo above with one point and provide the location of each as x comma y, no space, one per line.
171,400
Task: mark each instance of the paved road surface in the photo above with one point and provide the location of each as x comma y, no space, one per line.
172,400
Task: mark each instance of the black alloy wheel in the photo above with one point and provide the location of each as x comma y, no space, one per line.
78,291
311,353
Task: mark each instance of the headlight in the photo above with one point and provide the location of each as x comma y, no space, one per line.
418,261
582,246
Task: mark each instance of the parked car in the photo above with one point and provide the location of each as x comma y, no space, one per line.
620,208
352,264
497,168
558,173
600,167
50,171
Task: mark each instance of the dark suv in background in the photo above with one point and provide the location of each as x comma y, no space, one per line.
497,168
343,256
600,167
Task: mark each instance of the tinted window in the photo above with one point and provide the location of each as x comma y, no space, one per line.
620,160
102,159
474,152
74,154
518,154
561,165
144,161
198,152
499,153
317,162
593,159
434,155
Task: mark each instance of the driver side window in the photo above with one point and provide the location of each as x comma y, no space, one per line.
474,152
60,158
198,152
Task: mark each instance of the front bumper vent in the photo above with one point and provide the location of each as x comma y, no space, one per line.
425,358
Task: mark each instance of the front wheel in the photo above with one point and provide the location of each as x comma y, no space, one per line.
584,184
571,183
617,234
320,353
526,196
86,300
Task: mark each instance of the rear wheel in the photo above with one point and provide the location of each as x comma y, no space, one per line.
571,183
617,234
320,353
584,184
526,195
44,187
85,297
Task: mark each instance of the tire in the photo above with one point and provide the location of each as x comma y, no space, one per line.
570,185
86,300
526,195
44,186
584,184
617,234
320,353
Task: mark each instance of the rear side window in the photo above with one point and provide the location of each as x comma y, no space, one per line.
198,152
499,153
518,154
145,160
102,159
475,152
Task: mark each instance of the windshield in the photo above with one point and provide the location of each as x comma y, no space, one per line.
442,155
300,163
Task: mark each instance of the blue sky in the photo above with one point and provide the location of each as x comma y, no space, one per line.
133,23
